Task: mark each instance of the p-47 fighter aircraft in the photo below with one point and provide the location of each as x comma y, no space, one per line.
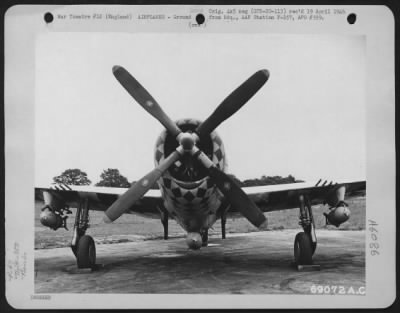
194,188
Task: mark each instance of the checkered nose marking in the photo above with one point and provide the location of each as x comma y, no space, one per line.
187,193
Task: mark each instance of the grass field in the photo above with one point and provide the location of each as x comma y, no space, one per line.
133,227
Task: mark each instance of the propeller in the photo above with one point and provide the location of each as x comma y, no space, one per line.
234,194
134,193
146,101
233,102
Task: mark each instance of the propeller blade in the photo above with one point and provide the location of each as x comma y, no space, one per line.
134,193
143,97
235,195
233,102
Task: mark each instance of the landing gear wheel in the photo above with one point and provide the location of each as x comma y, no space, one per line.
303,249
86,252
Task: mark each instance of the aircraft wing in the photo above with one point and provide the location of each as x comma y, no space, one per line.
267,198
100,197
286,196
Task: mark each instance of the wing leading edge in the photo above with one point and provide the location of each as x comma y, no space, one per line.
100,197
286,196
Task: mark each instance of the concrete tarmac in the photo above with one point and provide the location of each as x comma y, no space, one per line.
252,263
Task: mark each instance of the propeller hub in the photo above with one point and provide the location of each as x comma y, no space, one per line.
186,140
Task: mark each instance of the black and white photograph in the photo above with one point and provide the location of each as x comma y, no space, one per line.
195,160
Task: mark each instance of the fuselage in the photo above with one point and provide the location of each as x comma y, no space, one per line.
189,195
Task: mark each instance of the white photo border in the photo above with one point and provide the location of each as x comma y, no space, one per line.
23,23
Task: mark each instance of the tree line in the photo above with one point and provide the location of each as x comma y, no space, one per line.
111,177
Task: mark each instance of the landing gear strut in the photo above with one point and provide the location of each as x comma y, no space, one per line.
223,209
204,238
164,220
223,223
82,245
305,242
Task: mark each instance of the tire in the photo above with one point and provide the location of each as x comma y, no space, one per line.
303,249
86,252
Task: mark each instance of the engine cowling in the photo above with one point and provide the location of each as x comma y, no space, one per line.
338,215
51,219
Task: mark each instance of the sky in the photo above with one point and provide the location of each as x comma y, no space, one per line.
308,120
